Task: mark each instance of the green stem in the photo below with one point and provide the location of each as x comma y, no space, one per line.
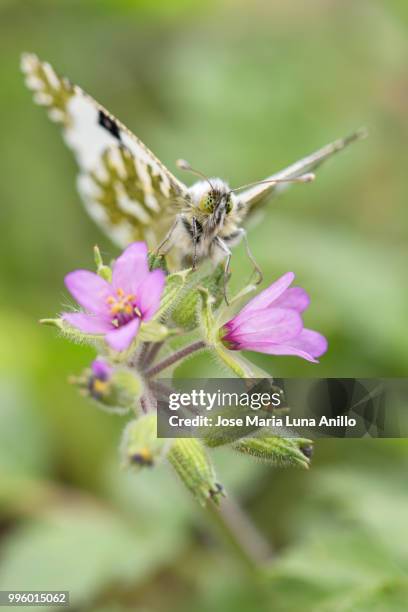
240,533
181,354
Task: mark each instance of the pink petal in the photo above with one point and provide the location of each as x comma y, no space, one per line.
310,342
130,268
295,298
149,293
87,323
308,345
101,369
279,349
90,290
275,325
120,339
267,297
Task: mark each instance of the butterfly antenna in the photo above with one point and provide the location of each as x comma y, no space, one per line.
303,178
184,165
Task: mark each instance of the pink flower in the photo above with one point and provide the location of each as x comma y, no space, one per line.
272,323
116,309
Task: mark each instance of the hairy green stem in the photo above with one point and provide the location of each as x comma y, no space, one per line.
177,356
240,533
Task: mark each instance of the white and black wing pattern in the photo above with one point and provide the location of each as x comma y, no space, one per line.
125,188
257,196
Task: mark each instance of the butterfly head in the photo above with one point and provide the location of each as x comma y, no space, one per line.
213,198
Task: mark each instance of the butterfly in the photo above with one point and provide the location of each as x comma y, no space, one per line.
132,196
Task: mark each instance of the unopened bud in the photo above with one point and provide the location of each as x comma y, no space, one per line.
140,445
115,389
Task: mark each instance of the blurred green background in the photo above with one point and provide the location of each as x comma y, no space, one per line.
240,89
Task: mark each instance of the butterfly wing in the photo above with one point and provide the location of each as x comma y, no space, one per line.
256,197
125,188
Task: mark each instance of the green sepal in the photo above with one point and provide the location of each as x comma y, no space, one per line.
104,271
58,323
206,317
234,362
140,446
127,387
237,364
191,462
70,332
175,284
186,313
209,327
277,451
154,332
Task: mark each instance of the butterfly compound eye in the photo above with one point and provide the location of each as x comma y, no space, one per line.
207,203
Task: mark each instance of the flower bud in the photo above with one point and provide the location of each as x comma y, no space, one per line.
115,389
277,451
140,445
189,459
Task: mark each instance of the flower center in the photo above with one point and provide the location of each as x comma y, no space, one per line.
122,307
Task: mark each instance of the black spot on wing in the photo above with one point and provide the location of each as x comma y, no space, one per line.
109,124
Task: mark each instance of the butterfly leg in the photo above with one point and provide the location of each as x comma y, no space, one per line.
195,237
167,239
257,269
224,248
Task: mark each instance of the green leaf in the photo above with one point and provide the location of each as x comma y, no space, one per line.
82,548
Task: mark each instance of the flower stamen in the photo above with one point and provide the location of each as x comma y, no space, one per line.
122,307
